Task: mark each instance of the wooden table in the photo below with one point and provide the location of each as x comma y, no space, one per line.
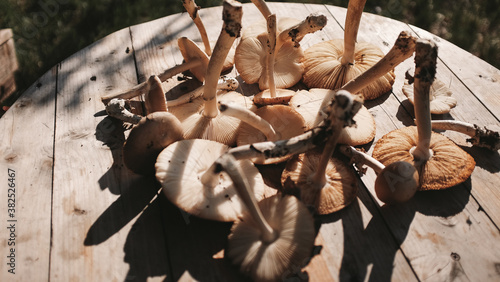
81,216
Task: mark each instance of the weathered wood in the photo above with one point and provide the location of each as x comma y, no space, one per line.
9,64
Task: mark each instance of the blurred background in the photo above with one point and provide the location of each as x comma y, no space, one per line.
48,31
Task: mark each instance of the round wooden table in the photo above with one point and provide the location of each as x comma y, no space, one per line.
71,211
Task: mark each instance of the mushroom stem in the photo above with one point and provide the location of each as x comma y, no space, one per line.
154,99
263,8
360,158
425,71
353,18
224,84
143,87
403,49
228,164
192,10
481,137
116,108
297,32
271,47
245,115
231,15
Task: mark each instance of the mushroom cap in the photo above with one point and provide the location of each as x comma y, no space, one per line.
396,183
441,100
154,99
448,166
269,261
283,96
309,103
191,51
338,192
284,119
179,169
148,138
323,67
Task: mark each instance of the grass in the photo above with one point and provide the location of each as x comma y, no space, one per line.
48,31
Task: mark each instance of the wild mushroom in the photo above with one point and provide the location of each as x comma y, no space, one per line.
440,162
154,100
195,60
275,234
224,84
481,137
439,94
395,183
331,64
183,169
325,183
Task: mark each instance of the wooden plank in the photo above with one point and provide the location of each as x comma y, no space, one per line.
26,150
97,201
437,230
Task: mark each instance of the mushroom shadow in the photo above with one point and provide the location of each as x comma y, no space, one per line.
406,113
485,159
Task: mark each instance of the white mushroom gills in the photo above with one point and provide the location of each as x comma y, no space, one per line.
425,71
192,10
353,18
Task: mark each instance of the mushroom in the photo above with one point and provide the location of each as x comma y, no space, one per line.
440,162
325,183
183,169
331,64
224,84
117,108
441,100
195,60
395,183
275,234
481,137
154,100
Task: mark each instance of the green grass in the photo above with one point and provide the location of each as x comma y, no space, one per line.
48,31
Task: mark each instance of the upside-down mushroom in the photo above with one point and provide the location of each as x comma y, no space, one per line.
440,162
439,94
224,84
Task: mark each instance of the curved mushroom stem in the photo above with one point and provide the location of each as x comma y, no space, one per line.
154,99
402,50
263,8
360,159
425,71
143,87
116,108
481,137
353,18
297,32
251,118
192,10
228,164
224,84
232,14
271,48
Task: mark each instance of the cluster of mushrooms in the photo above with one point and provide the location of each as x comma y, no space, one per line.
210,147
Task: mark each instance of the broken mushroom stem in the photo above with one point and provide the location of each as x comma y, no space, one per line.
227,163
192,10
425,71
353,18
360,159
481,137
271,48
296,33
224,84
117,108
232,14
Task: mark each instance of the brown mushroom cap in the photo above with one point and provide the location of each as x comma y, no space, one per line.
269,261
440,95
191,51
323,68
180,167
339,191
396,183
148,138
448,166
154,100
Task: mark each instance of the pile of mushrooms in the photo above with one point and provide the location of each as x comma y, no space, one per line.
207,148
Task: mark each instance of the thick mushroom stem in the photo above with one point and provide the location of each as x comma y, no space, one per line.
232,14
116,108
297,32
263,8
245,115
228,164
353,18
360,158
192,10
224,84
481,137
154,99
271,48
403,49
425,71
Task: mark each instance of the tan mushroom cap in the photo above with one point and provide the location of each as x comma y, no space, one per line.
448,166
268,262
440,95
323,68
155,100
286,122
148,138
339,191
283,96
396,183
308,104
191,51
179,169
